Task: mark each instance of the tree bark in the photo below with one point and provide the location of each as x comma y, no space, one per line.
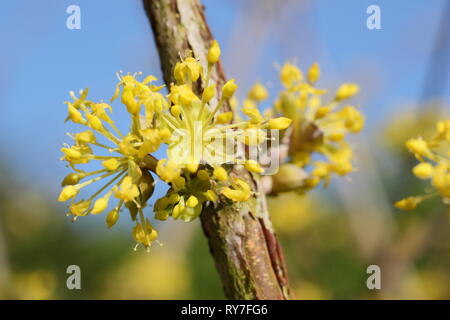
242,241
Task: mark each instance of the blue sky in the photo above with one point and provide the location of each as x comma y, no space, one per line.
41,60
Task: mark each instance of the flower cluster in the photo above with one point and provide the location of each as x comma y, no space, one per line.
201,147
434,158
317,147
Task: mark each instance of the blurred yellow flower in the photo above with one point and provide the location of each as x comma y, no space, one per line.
309,291
434,157
159,276
412,123
292,213
36,285
318,129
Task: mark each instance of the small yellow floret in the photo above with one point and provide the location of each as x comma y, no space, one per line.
423,170
409,203
220,174
228,89
111,164
253,166
214,52
100,205
280,123
67,193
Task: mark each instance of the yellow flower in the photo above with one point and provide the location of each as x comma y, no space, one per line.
111,164
80,208
145,234
228,89
253,166
346,91
279,123
220,174
67,193
423,170
409,203
85,137
318,129
199,137
290,75
100,205
208,93
192,201
210,195
435,165
128,190
167,170
240,192
224,118
203,175
314,73
214,52
74,114
258,92
419,147
112,217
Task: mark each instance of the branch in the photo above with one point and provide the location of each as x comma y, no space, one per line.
247,253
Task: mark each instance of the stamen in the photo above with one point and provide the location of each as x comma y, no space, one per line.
84,184
106,185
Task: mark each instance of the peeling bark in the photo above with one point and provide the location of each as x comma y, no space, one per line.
242,241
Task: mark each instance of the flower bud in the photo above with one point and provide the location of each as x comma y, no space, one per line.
203,175
228,89
72,153
100,205
161,215
423,170
313,73
220,174
94,122
253,166
223,118
175,110
67,193
346,91
214,52
258,92
72,178
418,146
280,123
409,203
111,164
208,93
290,75
192,167
210,195
192,201
74,114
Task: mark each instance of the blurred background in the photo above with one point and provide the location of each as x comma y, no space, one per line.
329,236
